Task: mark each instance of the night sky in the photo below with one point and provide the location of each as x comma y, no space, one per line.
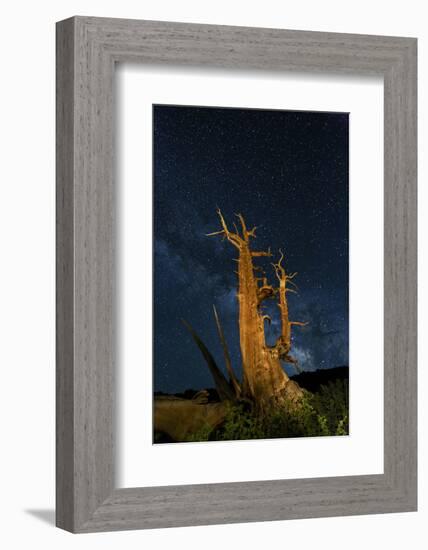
287,173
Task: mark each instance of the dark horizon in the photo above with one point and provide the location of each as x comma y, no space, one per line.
287,173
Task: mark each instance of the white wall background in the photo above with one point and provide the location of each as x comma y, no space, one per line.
27,271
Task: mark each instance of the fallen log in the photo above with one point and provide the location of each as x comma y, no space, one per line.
180,418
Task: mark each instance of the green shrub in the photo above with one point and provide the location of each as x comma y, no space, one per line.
332,402
321,414
240,424
203,434
324,413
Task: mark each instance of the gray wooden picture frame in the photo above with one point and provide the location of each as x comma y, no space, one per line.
86,497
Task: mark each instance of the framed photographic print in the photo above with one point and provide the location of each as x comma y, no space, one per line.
278,167
236,274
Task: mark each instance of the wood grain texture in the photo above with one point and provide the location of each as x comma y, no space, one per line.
87,49
64,277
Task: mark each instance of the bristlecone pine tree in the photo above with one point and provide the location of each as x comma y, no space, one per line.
264,381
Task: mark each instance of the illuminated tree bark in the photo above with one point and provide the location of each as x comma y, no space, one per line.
264,380
283,344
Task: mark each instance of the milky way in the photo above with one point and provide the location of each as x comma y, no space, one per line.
287,173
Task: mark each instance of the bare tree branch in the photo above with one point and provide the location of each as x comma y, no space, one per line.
252,232
224,390
291,290
215,233
259,253
243,225
233,380
291,283
234,238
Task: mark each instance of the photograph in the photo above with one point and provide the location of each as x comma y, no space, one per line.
210,263
251,274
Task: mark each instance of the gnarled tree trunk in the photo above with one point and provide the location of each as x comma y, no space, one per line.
264,379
